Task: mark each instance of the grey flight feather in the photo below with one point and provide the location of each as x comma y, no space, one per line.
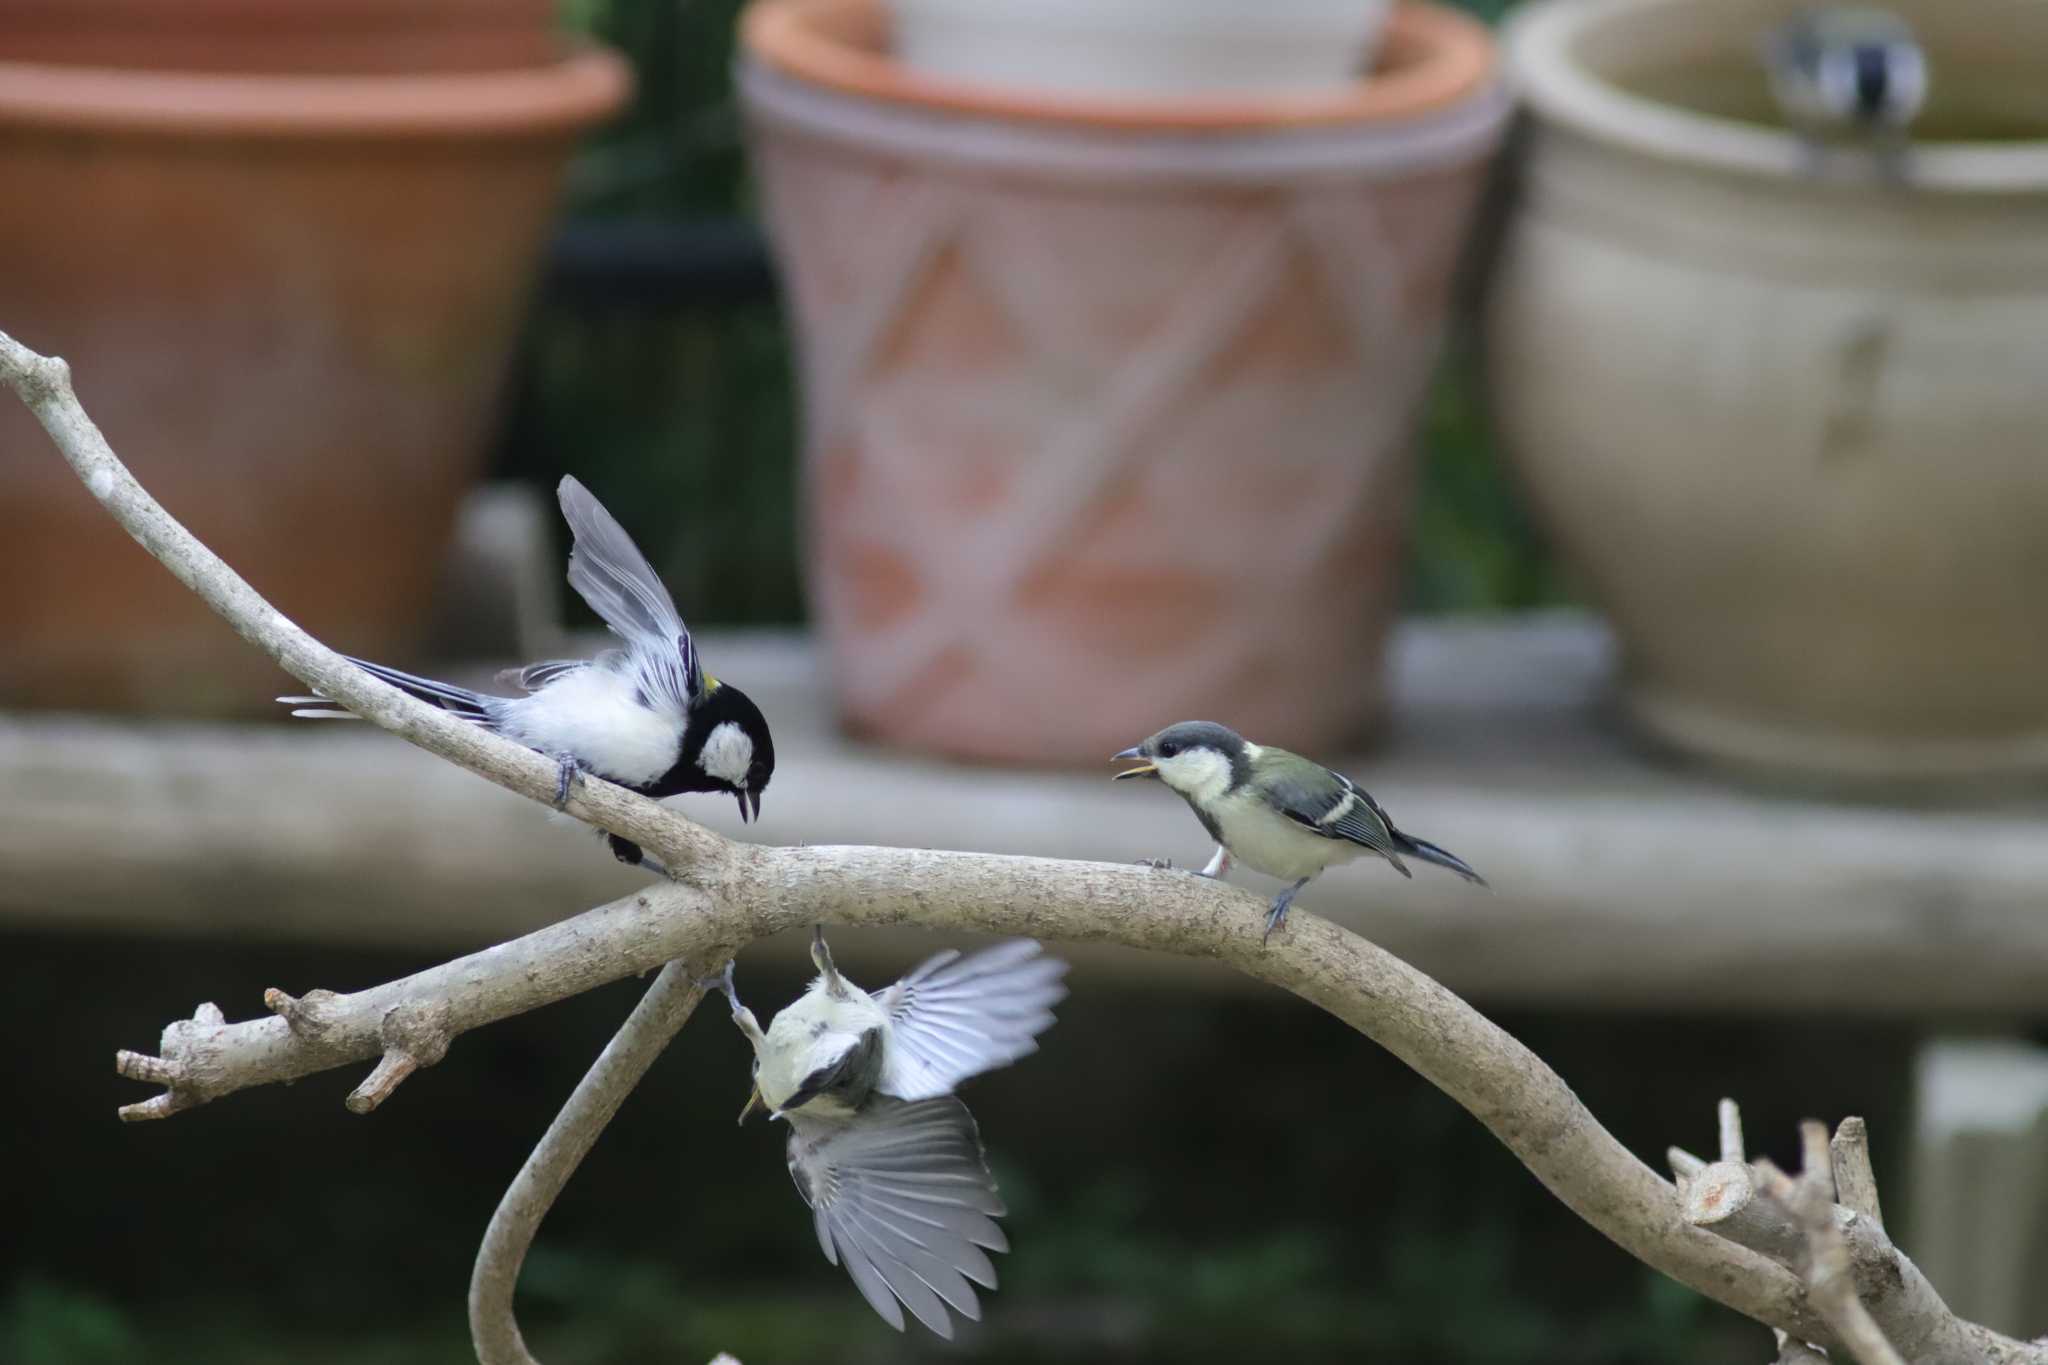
902,1198
955,1017
608,571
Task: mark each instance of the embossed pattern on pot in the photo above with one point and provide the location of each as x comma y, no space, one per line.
1141,441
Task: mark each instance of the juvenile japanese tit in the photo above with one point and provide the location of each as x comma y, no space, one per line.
887,1158
1850,72
1275,811
646,716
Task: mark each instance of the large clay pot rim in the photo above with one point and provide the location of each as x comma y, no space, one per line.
1431,58
1542,42
585,85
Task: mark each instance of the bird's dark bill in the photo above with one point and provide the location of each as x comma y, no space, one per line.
742,797
1147,769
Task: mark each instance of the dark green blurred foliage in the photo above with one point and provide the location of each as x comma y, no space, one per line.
676,150
49,1324
1193,1178
683,427
685,422
1471,544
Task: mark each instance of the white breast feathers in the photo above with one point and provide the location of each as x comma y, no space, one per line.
594,716
1266,841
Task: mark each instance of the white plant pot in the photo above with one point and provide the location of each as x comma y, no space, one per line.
1790,430
1141,48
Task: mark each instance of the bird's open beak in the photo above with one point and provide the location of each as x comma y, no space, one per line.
1149,768
742,796
753,1102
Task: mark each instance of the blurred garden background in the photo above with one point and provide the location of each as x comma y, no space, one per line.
684,402
1197,1169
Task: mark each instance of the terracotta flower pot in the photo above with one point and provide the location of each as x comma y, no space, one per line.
274,36
288,301
1790,431
1108,405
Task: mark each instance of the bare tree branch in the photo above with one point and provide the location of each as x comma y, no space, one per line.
731,894
1811,1201
1731,1130
1874,1300
654,1021
1855,1180
203,1058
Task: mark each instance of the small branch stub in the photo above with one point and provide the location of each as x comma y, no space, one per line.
1731,1131
137,1066
415,1035
1722,1198
166,1070
1855,1179
1684,1165
306,1015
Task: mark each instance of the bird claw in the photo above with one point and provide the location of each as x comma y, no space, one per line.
1156,864
1277,916
721,981
565,776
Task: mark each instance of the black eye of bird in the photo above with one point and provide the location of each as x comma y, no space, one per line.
1168,749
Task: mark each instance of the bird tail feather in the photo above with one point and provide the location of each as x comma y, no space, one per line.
1427,852
458,701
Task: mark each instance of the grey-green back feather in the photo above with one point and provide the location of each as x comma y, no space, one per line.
1325,802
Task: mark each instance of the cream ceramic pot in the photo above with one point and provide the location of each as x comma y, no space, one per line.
1793,431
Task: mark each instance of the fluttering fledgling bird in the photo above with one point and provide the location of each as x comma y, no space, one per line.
646,716
1848,72
886,1156
1275,811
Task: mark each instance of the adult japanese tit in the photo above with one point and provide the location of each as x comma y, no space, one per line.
1848,71
1275,811
646,716
887,1158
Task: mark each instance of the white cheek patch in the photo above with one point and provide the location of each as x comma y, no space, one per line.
1203,774
727,753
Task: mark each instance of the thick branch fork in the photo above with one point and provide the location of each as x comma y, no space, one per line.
409,1024
1825,1227
727,895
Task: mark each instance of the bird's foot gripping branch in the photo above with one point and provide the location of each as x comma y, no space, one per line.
724,895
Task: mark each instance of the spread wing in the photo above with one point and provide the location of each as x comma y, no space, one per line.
1332,805
608,571
955,1017
901,1196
